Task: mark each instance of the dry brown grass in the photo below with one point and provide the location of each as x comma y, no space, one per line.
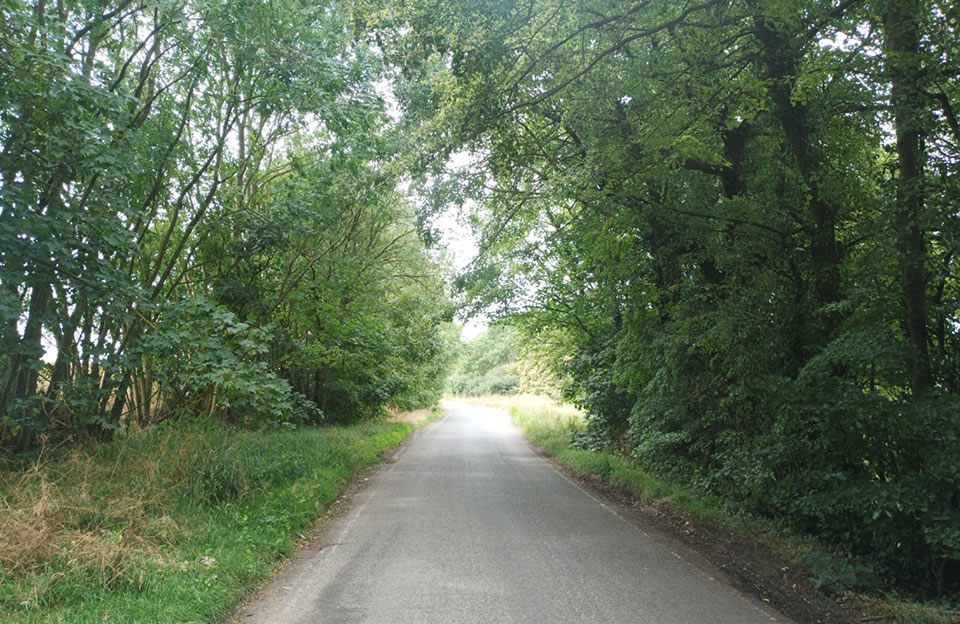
81,516
525,402
409,416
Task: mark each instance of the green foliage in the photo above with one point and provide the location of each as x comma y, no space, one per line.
356,300
839,575
199,213
914,613
536,368
203,355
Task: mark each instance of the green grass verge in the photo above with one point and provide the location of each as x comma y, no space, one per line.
550,426
915,613
170,525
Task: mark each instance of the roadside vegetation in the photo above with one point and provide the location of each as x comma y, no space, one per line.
169,524
498,362
212,286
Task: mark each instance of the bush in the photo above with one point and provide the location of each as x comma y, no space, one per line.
204,359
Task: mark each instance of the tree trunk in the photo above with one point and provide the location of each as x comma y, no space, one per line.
901,49
780,59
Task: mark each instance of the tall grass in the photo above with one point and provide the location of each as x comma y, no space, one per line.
546,422
168,525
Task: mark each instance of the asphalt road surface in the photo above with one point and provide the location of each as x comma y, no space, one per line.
471,526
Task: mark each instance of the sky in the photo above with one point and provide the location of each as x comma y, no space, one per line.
462,248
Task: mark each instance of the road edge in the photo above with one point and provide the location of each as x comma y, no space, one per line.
736,560
315,538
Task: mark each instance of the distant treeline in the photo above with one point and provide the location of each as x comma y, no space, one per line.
498,361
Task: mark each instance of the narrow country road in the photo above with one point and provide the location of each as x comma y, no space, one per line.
470,526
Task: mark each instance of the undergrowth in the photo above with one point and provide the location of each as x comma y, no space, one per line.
168,525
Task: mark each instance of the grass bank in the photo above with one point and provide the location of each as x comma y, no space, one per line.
552,426
172,524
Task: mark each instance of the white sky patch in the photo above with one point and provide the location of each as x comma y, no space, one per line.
384,88
462,247
459,240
